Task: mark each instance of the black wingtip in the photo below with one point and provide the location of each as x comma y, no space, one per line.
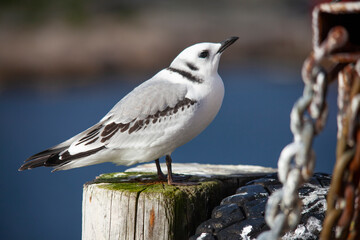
25,166
42,159
33,164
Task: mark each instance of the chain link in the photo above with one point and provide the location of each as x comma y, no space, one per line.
295,166
308,117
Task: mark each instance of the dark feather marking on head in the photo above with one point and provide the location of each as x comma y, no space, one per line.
192,66
186,75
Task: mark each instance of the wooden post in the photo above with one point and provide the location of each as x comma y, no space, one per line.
134,205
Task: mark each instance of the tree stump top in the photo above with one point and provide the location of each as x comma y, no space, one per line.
145,182
207,170
136,205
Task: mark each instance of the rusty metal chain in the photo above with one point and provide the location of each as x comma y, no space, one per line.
297,160
343,204
296,163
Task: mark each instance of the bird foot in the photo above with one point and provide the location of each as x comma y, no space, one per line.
172,183
162,177
180,177
180,181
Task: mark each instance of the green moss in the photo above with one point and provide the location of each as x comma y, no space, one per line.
130,187
125,181
139,187
126,175
147,182
199,199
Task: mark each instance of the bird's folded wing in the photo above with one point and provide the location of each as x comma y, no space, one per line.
140,119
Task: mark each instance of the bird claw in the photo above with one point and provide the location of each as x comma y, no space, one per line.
180,181
180,177
172,183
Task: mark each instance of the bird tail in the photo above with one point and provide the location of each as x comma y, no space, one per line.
60,158
47,158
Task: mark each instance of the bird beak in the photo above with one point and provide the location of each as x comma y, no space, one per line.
226,43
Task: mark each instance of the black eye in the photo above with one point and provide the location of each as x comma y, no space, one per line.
204,54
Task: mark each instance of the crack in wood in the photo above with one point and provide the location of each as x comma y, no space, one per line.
136,209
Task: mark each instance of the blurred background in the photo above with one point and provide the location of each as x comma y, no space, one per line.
64,64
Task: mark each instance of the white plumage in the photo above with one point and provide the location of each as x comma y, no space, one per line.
151,121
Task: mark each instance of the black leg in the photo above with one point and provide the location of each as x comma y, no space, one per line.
160,174
171,177
168,165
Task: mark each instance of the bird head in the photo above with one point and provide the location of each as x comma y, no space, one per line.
201,59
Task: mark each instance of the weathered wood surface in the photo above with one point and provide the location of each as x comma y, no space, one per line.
135,206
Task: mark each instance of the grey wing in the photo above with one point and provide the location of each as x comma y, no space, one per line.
135,122
147,99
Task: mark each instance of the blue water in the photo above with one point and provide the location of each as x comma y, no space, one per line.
251,128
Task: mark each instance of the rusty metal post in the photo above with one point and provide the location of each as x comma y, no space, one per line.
342,21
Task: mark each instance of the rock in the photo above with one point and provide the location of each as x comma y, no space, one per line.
226,210
202,236
250,201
